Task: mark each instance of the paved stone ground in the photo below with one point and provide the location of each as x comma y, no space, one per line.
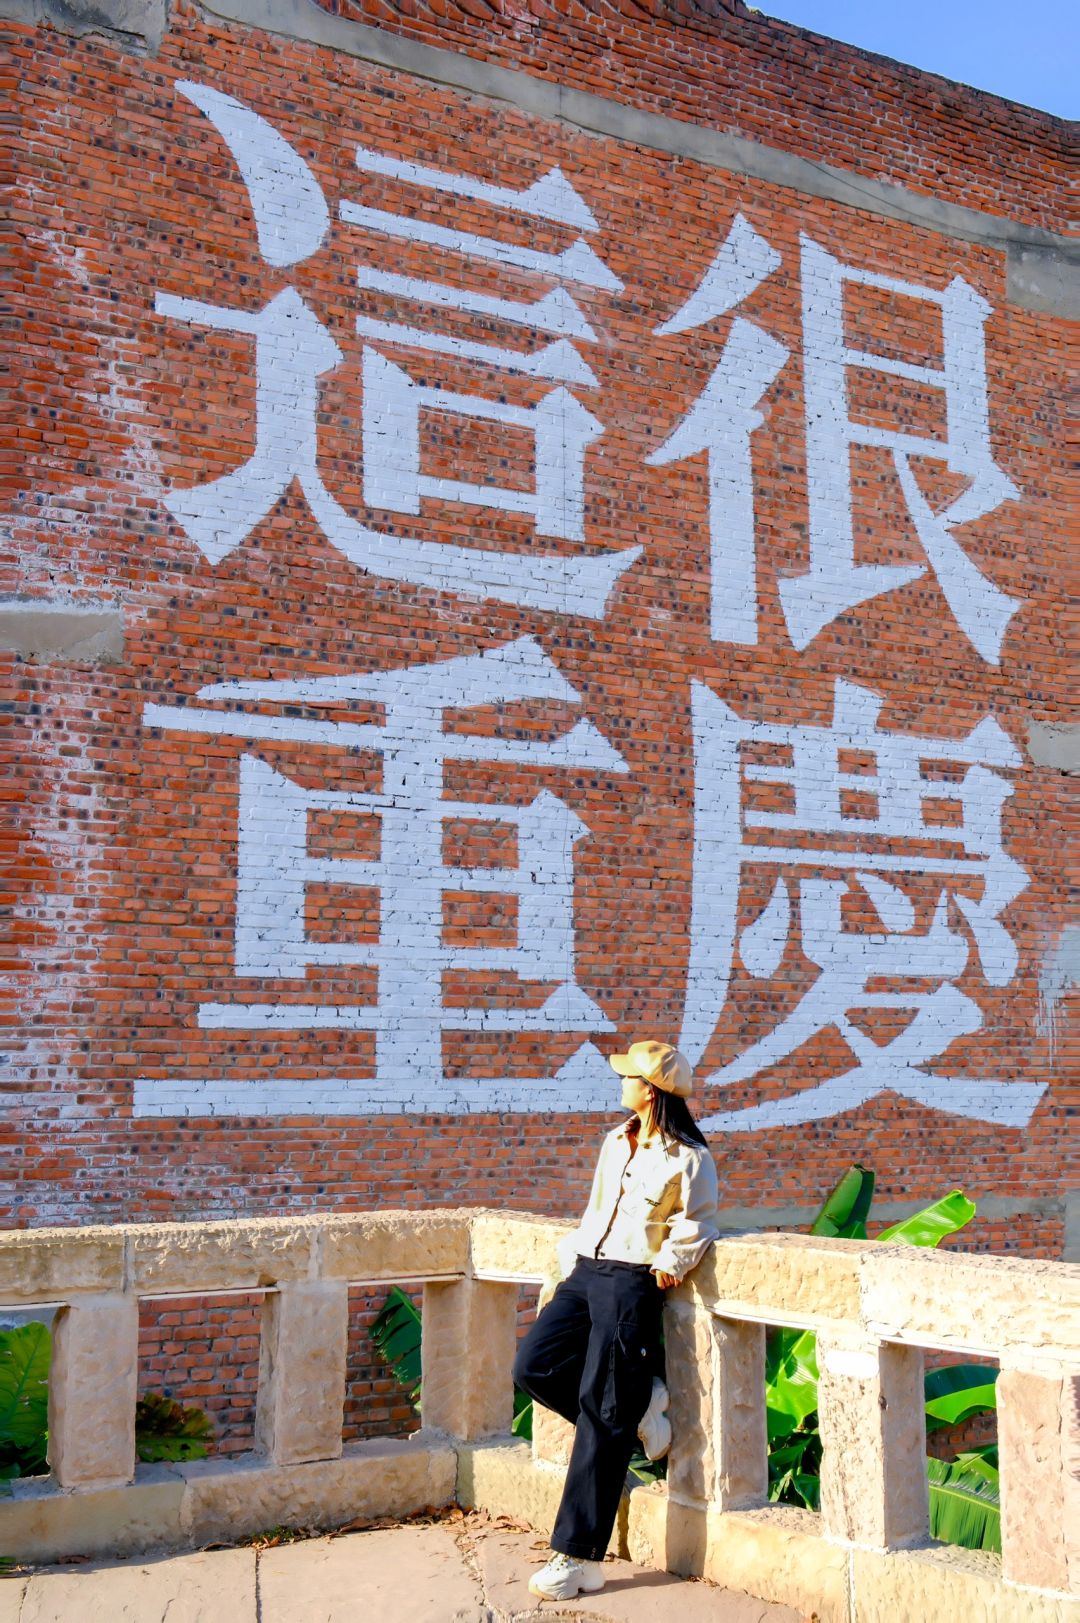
464,1569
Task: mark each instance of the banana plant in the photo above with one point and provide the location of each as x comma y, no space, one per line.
963,1492
396,1332
164,1429
24,1400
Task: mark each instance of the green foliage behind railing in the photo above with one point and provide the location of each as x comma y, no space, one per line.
164,1429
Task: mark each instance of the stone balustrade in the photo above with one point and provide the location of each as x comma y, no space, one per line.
874,1308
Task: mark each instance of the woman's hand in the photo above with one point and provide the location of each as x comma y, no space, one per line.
665,1281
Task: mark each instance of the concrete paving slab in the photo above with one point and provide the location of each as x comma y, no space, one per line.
396,1575
209,1586
12,1590
631,1595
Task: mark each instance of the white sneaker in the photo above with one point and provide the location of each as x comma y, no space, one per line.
655,1428
564,1577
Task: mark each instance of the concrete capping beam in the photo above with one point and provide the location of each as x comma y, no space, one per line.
47,629
998,1305
1042,265
180,1507
1017,1309
245,1254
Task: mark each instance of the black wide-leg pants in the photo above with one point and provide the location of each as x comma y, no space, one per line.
591,1356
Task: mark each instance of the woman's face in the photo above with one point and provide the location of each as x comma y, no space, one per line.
636,1094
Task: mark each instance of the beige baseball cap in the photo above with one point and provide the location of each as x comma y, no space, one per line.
659,1064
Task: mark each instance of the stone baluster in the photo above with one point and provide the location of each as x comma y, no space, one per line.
716,1377
467,1354
301,1402
1039,1456
93,1387
552,1437
871,1411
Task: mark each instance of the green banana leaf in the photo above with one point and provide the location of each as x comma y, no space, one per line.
965,1504
934,1223
396,1334
843,1212
166,1430
981,1462
523,1415
24,1397
958,1391
791,1378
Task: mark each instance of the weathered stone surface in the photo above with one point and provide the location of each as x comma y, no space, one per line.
395,1244
776,1553
242,1255
716,1377
93,1386
950,1584
397,1575
1033,1532
233,1498
192,1588
552,1436
1070,1463
515,1244
40,1265
42,1523
467,1353
777,1274
503,1478
634,1594
873,1433
12,1590
988,1304
301,1401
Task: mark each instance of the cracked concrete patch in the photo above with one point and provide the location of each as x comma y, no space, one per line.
461,1569
38,629
412,1575
632,1594
199,1588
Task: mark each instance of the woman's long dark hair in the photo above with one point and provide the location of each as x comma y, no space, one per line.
672,1119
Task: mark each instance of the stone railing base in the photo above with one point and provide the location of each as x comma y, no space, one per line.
176,1507
776,1552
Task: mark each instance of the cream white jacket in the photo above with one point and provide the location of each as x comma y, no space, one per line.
655,1206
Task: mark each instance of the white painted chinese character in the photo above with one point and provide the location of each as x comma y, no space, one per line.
293,350
725,416
721,421
275,869
835,582
728,838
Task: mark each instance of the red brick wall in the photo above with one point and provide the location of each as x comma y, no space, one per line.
123,859
756,76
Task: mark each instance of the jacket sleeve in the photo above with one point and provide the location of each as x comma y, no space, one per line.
693,1227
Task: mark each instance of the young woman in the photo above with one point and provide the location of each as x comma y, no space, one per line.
594,1353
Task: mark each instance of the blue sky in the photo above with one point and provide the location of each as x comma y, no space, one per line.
1028,52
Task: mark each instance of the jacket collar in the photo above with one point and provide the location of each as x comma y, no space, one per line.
623,1132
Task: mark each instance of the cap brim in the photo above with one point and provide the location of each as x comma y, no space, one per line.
622,1064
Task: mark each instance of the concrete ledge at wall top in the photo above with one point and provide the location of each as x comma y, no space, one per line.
137,23
41,629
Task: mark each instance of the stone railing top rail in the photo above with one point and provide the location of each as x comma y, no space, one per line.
1011,1308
